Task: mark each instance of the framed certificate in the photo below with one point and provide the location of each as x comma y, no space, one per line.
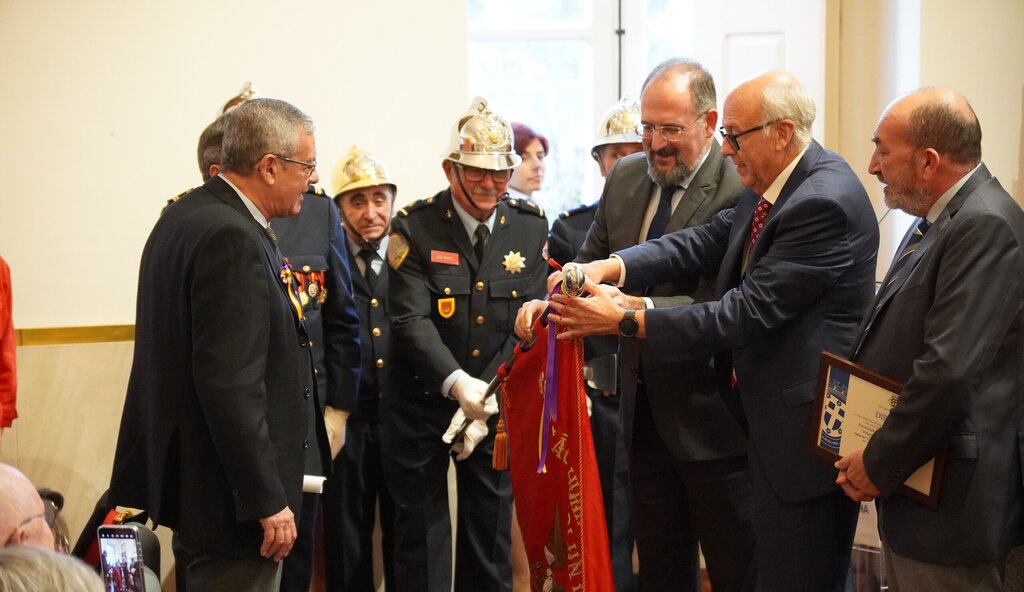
853,402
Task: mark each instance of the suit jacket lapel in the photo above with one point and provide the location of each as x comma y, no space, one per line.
453,226
633,218
700,188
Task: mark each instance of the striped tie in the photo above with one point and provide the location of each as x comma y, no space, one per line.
912,242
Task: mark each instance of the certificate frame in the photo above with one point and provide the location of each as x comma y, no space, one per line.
851,404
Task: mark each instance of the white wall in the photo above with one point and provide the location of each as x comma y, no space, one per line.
104,100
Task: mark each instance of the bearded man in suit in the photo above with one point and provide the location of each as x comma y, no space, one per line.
948,325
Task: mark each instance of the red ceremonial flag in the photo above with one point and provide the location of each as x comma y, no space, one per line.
554,471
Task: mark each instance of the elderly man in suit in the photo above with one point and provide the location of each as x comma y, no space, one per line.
948,325
687,448
215,433
795,261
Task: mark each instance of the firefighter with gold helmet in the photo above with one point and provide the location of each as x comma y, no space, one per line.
461,264
618,136
364,195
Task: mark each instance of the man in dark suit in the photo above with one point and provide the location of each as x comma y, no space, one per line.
462,263
948,325
618,136
313,245
687,448
364,195
214,436
795,261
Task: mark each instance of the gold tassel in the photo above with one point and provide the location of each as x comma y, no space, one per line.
499,460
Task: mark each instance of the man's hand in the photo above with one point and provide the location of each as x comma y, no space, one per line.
335,421
278,534
597,315
626,301
527,316
476,432
470,393
853,478
553,280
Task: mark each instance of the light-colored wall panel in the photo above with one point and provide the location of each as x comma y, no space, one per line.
104,101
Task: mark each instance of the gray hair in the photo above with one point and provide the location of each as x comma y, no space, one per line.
702,85
210,141
259,127
785,98
950,126
30,569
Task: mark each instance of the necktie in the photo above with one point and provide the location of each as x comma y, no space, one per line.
760,215
916,234
367,254
661,216
480,241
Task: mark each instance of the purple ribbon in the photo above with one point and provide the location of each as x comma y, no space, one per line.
550,415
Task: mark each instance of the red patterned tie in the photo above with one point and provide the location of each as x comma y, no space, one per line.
760,215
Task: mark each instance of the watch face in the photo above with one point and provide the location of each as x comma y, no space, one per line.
628,327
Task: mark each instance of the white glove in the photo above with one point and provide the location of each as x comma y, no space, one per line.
476,432
335,421
469,392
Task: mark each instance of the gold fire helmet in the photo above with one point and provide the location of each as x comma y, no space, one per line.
359,169
248,92
620,125
483,140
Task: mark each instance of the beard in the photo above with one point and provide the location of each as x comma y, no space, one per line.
901,194
674,176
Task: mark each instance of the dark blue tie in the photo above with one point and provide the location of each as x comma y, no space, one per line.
661,216
915,238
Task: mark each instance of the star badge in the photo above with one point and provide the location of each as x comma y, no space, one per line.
514,262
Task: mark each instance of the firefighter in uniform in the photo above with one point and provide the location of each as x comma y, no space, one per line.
618,136
364,195
462,262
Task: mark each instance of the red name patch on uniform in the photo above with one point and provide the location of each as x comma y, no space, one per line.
444,257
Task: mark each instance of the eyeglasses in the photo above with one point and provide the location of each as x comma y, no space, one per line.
309,166
476,175
23,523
671,133
734,139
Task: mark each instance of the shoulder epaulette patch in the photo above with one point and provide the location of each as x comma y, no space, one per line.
526,206
415,205
398,250
179,196
316,190
577,210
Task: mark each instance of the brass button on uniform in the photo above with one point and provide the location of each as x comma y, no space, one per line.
305,268
374,302
475,353
380,362
515,294
479,286
447,290
376,331
479,319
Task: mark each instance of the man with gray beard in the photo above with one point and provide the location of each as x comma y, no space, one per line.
686,443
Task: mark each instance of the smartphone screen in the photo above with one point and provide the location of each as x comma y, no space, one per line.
121,558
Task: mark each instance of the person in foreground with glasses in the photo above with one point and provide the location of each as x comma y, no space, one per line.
796,269
215,433
22,511
461,263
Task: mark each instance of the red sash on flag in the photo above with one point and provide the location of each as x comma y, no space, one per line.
561,513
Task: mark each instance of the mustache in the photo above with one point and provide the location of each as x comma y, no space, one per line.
485,192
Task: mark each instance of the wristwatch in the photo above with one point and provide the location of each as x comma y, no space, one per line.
628,327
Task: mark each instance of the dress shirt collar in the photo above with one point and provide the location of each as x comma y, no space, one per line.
469,222
256,213
771,195
943,201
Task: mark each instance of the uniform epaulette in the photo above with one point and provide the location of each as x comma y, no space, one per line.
316,190
578,210
179,196
419,204
526,206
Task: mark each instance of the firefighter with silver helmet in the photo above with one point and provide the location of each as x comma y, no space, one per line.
365,195
461,264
